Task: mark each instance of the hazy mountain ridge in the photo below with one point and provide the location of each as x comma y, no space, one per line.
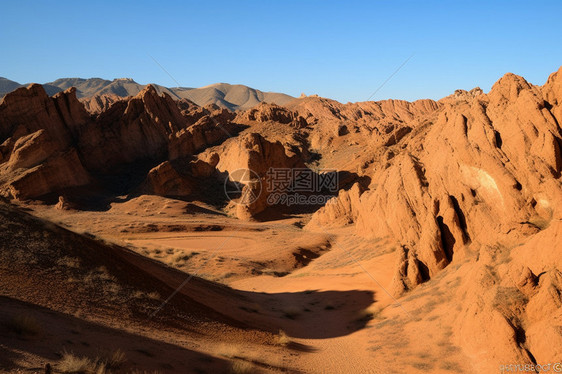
224,95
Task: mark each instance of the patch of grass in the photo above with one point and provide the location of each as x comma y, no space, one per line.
115,360
242,367
450,349
283,339
73,364
509,299
153,295
25,325
447,331
146,295
431,304
443,343
100,274
387,322
425,366
182,258
229,350
450,366
69,262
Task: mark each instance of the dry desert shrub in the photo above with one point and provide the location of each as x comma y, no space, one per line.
98,275
229,350
450,366
182,258
115,360
423,366
283,339
69,262
145,295
72,364
242,367
509,298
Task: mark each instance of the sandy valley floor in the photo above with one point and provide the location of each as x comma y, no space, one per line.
326,292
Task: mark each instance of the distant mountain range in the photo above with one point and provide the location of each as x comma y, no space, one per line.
225,95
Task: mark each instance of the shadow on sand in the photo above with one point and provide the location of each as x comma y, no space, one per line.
60,333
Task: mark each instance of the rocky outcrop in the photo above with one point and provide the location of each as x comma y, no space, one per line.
52,143
339,211
31,150
181,178
317,109
131,131
29,109
265,112
211,129
62,170
463,95
333,125
478,185
98,104
37,134
484,171
246,161
166,180
64,204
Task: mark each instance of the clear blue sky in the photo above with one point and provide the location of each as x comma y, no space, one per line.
342,50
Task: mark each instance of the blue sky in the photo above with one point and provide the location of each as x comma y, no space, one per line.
342,50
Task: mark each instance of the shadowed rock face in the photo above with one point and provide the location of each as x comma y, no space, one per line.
99,103
246,160
49,144
132,130
37,134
